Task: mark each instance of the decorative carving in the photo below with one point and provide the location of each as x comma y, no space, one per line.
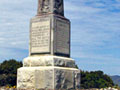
58,7
50,6
43,6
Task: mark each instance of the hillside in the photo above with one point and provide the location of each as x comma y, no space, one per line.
116,79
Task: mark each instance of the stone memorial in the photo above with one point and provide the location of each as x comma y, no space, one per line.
49,66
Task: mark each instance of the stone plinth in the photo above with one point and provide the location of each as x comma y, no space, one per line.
48,73
48,78
36,61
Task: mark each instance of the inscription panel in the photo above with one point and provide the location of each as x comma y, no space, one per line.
63,37
40,36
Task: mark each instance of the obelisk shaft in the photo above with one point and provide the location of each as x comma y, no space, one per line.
50,7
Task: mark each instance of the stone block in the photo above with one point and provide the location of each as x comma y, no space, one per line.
48,78
34,61
26,78
50,34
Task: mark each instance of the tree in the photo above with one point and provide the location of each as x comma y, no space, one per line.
8,72
95,79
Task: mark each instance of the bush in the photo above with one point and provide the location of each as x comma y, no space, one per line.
8,72
95,79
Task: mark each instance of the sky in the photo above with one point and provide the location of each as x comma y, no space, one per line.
95,32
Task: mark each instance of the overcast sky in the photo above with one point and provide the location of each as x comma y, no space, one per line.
95,32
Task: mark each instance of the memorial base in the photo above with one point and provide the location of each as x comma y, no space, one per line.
48,78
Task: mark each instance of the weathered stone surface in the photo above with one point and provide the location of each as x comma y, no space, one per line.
26,78
35,78
50,34
50,6
44,79
77,79
48,78
61,36
40,35
64,79
36,61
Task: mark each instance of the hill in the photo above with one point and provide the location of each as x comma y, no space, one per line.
116,79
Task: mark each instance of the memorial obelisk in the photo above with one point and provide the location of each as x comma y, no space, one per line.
49,66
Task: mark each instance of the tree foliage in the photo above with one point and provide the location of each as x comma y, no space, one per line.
8,72
96,79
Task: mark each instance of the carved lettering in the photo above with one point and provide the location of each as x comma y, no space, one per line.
63,37
40,37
